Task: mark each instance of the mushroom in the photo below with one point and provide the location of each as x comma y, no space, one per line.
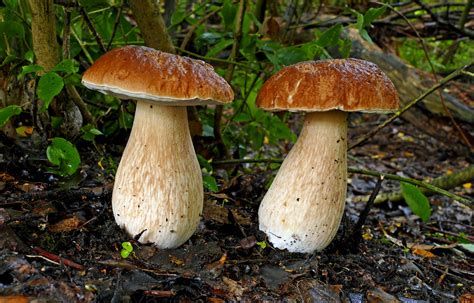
303,207
158,188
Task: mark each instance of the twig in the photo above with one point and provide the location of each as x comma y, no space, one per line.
239,18
76,98
443,22
445,182
227,61
356,233
130,266
92,29
116,23
441,83
431,187
58,259
191,30
354,170
433,71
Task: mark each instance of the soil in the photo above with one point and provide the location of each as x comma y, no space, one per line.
59,241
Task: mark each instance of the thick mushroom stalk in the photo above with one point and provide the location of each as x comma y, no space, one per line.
158,186
303,208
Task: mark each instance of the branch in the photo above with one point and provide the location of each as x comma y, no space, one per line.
445,182
441,83
354,170
239,18
91,27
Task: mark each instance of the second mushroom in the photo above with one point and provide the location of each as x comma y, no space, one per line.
303,208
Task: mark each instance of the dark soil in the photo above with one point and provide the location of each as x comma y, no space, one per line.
59,242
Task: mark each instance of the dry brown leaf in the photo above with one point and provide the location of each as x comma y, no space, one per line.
175,260
66,225
14,299
234,287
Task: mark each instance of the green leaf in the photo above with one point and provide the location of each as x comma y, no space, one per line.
29,56
242,117
49,86
11,4
180,12
210,183
228,13
416,200
124,253
90,132
7,112
290,55
63,154
372,14
360,21
32,68
330,36
345,48
127,246
67,66
204,163
262,244
219,47
364,34
12,29
468,246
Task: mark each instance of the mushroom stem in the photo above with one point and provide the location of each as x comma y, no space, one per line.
303,208
158,185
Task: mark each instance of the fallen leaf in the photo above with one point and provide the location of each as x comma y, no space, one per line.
234,287
66,225
14,299
175,260
424,253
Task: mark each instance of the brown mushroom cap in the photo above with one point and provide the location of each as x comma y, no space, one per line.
342,84
139,72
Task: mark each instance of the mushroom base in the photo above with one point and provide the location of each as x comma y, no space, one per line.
303,208
158,186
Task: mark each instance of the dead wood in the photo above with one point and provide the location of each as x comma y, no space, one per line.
410,83
447,181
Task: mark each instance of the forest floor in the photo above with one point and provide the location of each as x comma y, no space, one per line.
59,242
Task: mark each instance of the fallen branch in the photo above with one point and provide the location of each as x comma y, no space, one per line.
354,170
445,182
441,83
57,259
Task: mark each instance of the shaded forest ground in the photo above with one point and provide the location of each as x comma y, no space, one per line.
399,257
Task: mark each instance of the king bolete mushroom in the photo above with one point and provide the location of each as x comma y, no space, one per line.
303,208
158,186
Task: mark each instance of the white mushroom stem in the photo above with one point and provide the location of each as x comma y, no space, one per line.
158,185
303,208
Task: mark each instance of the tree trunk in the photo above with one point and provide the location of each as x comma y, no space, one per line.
43,32
46,49
151,24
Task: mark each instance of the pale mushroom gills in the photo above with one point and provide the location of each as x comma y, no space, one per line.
158,192
303,208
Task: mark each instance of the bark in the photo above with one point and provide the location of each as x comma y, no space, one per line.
151,24
43,32
46,49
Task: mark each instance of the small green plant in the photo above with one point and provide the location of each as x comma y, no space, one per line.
64,155
7,112
262,244
127,249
